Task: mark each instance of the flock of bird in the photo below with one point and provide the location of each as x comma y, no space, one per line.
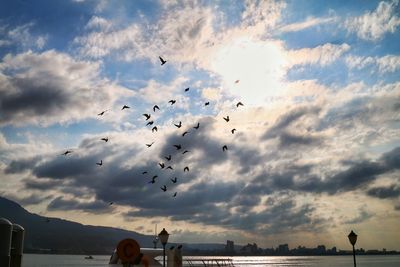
150,122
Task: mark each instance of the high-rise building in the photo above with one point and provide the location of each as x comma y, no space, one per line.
230,246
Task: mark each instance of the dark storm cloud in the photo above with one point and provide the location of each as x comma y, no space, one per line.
287,140
21,165
392,191
32,199
60,203
40,184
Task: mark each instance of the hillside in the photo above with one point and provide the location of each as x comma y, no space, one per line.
62,236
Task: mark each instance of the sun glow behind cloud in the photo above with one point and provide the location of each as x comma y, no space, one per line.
258,66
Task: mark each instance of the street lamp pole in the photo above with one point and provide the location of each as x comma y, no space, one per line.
353,239
163,236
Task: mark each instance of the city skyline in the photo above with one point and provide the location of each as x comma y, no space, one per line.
270,121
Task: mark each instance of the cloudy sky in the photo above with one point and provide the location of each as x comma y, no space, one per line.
315,154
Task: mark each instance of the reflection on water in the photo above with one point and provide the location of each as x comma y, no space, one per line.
35,260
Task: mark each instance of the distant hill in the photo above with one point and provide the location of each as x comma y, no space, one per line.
62,236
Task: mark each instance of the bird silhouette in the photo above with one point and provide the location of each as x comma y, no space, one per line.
226,119
162,60
100,163
224,148
172,101
239,104
149,145
111,203
186,169
154,129
185,133
174,195
147,116
179,125
170,168
197,126
156,107
102,113
66,152
153,179
207,103
124,107
178,147
162,165
105,139
237,81
150,123
145,172
186,151
164,188
168,158
233,130
174,180
187,89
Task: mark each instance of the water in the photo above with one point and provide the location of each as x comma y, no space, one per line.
36,260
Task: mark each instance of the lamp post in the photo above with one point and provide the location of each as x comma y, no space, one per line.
353,239
163,236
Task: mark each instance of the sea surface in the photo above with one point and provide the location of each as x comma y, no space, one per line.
40,260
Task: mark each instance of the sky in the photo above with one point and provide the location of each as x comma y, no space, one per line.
315,153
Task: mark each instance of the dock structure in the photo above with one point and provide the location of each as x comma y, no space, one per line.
208,262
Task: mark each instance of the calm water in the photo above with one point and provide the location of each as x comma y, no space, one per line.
34,260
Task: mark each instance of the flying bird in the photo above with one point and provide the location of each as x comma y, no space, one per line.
162,60
239,104
124,107
102,113
156,107
187,89
224,148
174,195
197,126
174,180
145,172
186,151
186,169
237,81
153,179
168,158
111,203
233,130
185,133
179,125
178,147
154,129
66,152
100,163
172,101
149,145
147,116
105,139
164,188
226,119
150,123
207,103
162,165
170,167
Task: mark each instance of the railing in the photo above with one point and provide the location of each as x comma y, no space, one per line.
208,262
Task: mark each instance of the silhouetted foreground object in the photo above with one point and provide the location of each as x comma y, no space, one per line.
353,239
11,243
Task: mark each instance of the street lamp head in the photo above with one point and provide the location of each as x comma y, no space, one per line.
163,236
352,238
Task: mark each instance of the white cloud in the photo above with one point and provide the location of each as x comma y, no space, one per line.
385,64
100,23
323,54
21,36
373,25
309,22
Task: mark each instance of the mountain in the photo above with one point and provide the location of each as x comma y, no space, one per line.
62,236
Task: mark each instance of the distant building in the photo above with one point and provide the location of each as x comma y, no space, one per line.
283,249
230,246
321,249
250,249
